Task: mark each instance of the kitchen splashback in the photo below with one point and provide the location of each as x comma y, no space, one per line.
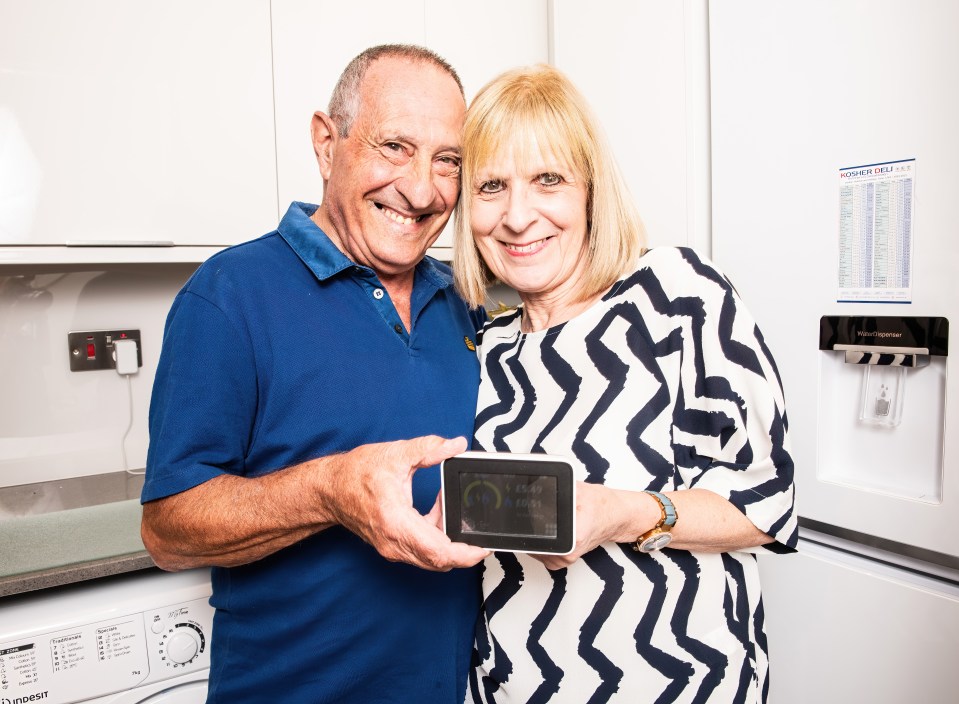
56,423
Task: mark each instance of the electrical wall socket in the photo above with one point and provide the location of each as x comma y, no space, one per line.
93,349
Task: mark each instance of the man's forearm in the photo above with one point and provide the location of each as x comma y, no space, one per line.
230,521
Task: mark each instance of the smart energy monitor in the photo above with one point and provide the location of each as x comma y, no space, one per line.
511,502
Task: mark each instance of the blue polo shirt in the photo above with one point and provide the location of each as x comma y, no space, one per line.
281,350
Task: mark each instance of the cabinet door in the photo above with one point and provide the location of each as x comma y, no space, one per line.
642,66
314,40
481,41
127,123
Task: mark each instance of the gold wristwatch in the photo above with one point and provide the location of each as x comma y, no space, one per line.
658,537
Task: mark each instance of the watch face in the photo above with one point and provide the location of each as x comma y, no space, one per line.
656,542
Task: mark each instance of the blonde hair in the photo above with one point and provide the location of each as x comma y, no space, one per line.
523,113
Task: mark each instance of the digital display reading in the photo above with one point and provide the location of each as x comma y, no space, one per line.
508,504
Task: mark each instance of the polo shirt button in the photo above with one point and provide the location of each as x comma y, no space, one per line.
398,328
377,293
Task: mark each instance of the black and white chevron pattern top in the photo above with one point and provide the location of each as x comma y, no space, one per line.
664,384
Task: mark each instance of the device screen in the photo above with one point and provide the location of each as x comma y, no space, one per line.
508,504
505,501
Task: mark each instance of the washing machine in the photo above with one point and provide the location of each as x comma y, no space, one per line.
135,639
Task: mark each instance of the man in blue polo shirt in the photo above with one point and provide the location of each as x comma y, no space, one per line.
306,379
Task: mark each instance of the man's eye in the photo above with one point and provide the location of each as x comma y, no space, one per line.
448,165
491,186
395,152
550,179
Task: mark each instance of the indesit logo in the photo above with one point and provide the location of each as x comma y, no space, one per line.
27,698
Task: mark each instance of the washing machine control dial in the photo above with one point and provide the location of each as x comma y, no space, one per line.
182,643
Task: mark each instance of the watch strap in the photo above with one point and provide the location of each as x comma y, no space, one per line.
667,520
668,508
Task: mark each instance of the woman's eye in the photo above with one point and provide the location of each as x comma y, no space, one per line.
491,187
550,179
394,146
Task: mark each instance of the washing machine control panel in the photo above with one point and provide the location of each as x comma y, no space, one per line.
108,656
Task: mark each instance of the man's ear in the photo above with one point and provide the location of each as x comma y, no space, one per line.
324,142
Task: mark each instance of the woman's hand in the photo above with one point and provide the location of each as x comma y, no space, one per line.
603,515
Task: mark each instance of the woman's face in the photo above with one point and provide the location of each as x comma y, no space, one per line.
530,224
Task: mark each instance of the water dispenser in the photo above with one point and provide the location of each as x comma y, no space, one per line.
882,404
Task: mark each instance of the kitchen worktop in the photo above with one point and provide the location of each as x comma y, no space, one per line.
71,530
70,574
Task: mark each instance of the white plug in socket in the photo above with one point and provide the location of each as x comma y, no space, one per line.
125,354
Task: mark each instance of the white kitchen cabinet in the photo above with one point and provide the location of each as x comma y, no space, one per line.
134,123
314,40
643,67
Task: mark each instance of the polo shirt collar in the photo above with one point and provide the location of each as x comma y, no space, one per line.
324,259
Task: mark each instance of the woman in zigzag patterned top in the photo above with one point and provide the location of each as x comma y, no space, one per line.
647,371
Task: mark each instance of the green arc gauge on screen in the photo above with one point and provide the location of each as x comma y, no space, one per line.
472,493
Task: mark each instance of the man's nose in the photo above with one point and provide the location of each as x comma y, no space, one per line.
417,183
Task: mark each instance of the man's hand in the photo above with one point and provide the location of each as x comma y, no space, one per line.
369,491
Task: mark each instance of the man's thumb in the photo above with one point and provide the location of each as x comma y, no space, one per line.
434,449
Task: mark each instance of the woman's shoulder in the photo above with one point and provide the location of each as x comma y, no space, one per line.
678,265
664,276
671,256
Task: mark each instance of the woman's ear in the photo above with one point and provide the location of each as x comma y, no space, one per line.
324,135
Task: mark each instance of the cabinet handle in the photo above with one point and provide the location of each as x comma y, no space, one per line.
119,243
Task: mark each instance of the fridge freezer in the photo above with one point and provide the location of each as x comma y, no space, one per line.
800,92
844,627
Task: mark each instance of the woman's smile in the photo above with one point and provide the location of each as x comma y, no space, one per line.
524,250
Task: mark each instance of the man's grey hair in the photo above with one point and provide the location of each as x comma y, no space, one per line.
346,95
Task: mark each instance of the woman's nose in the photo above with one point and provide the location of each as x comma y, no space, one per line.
520,213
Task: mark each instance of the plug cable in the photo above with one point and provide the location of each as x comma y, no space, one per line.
125,356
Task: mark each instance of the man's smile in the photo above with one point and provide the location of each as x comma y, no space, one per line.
398,217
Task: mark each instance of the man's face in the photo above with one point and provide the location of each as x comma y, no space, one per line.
394,180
